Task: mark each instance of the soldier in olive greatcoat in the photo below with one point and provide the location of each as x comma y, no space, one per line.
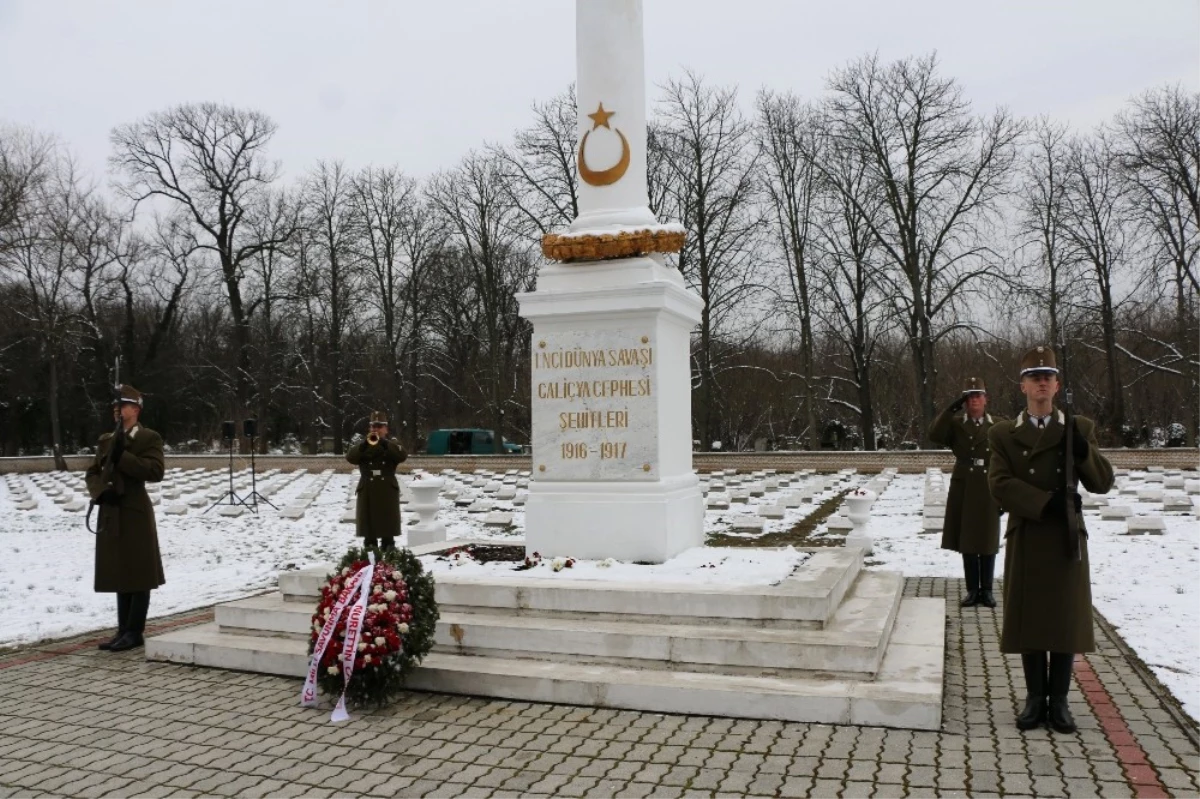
377,508
972,524
1047,582
128,562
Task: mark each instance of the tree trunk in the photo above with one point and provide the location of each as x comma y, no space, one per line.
409,396
497,411
60,463
806,345
921,346
867,408
1114,405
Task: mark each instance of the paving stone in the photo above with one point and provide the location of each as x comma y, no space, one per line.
244,739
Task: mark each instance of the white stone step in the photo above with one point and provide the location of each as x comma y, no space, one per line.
812,594
906,692
267,614
207,645
851,645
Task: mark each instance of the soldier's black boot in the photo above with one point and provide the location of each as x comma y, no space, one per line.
1034,714
389,543
1061,664
370,543
139,606
971,569
987,569
122,621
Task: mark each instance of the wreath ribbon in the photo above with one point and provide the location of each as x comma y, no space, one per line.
354,596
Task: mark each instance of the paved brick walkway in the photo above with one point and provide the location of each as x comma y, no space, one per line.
77,722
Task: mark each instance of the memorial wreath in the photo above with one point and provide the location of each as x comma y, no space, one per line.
380,606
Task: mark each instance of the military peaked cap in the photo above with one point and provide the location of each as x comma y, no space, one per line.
974,385
128,394
1039,360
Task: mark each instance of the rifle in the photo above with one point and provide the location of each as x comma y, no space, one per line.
1069,467
107,478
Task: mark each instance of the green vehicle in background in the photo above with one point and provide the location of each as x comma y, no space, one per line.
466,441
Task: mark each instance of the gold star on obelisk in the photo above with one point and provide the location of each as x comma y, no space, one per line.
600,117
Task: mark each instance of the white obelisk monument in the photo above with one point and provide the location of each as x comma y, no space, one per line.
612,408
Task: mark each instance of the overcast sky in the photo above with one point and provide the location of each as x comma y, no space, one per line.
419,84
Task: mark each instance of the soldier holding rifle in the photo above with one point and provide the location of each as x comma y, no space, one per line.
128,562
1038,459
377,506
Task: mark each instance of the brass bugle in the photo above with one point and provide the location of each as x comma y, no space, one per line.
372,439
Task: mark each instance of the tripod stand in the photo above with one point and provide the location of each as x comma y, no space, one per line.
229,429
254,495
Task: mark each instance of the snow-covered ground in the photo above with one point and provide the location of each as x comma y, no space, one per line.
1145,585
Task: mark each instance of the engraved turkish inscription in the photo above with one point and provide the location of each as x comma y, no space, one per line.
594,406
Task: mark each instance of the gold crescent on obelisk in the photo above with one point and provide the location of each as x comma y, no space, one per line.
603,177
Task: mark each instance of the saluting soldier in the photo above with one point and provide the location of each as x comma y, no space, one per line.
972,524
1047,582
128,562
377,507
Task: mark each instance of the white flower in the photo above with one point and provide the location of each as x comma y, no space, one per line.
557,564
378,589
334,670
362,646
345,571
316,627
366,659
380,640
326,614
390,596
396,575
403,628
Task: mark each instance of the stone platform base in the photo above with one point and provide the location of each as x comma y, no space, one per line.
832,643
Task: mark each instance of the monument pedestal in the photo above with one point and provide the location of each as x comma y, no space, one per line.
633,522
612,438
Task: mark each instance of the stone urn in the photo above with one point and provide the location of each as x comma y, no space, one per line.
425,504
858,505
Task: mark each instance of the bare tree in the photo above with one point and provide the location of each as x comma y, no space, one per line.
275,216
26,162
539,169
1161,137
1040,209
105,245
210,161
397,241
853,303
1158,147
43,257
477,208
1096,221
790,138
941,172
710,160
329,215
